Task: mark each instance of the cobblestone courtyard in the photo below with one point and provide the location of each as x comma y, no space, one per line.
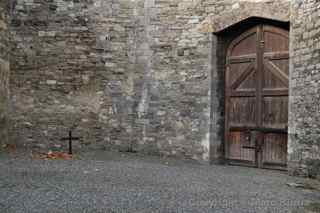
113,182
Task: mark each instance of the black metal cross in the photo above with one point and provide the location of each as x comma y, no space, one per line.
70,138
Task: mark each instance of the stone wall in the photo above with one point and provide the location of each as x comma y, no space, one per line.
174,104
184,99
4,71
304,116
73,68
134,74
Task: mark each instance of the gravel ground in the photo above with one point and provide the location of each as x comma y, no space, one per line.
109,182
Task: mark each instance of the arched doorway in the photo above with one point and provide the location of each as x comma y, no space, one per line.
256,97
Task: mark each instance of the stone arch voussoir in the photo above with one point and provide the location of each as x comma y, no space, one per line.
217,23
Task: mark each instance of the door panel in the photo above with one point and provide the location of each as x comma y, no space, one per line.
245,45
249,83
272,71
275,108
241,106
236,70
256,98
275,39
275,113
242,112
239,140
275,76
274,149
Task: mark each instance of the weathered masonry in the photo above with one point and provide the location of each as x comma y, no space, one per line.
4,71
304,105
212,80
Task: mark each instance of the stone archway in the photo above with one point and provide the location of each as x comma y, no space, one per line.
243,10
220,39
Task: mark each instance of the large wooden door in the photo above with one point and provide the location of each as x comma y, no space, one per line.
256,97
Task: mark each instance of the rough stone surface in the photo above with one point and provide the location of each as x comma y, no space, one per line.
144,75
4,71
73,68
105,182
304,116
184,101
135,74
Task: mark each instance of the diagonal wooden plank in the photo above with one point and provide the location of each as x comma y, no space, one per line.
277,72
243,76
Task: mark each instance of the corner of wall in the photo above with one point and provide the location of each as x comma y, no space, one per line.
304,111
4,70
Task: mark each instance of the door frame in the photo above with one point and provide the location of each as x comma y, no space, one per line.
221,42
